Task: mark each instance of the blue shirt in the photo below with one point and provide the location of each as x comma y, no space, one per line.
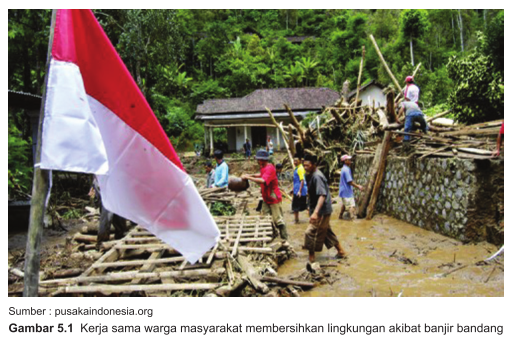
298,176
345,189
221,175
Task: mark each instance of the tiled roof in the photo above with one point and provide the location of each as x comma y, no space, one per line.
274,99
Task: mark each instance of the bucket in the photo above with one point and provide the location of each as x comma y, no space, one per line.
238,184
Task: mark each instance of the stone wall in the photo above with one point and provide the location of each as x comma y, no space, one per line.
460,198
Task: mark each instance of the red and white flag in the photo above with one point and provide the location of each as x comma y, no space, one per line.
97,121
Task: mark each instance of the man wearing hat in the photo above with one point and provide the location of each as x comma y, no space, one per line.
271,196
412,91
346,191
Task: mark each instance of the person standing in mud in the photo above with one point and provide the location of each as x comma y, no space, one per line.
299,190
271,196
319,232
346,192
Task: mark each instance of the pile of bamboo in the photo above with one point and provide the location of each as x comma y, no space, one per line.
357,128
244,262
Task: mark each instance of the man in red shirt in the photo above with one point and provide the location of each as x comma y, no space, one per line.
271,195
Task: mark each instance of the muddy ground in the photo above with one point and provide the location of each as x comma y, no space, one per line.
386,257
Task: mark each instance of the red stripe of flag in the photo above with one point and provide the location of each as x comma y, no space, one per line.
80,39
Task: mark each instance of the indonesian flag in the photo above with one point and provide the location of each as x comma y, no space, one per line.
97,121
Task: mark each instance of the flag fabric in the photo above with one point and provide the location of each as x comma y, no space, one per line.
98,121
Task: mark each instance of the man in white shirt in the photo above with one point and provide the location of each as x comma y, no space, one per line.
412,91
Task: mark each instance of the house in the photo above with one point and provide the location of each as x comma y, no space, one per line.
247,117
370,93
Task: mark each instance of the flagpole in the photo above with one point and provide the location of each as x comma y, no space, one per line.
40,188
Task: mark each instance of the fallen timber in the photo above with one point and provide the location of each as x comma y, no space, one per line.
242,262
361,129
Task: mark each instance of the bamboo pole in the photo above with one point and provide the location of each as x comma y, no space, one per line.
297,125
359,78
237,240
393,79
40,190
287,281
135,276
445,113
112,289
283,135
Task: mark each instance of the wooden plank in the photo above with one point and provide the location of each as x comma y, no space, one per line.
434,152
476,151
476,132
252,275
212,254
386,145
365,198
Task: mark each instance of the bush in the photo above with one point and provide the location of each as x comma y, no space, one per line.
478,93
19,165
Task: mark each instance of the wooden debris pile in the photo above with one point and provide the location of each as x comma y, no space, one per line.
244,262
358,128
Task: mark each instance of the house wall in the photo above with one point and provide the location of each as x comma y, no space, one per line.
232,137
459,198
241,139
236,137
374,93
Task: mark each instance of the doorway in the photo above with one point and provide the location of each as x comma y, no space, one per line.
258,137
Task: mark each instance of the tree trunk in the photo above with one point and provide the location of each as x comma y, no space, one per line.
411,48
460,26
452,26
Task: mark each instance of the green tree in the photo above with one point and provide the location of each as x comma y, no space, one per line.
494,46
478,93
414,23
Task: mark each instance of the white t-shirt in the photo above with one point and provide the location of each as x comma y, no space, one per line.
412,93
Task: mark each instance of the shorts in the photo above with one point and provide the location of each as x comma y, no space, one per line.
348,202
248,153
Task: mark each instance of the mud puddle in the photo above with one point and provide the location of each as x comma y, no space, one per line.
387,257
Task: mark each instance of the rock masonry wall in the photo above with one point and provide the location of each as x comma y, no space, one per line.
459,198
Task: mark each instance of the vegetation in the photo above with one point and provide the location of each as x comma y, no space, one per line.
222,209
180,58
